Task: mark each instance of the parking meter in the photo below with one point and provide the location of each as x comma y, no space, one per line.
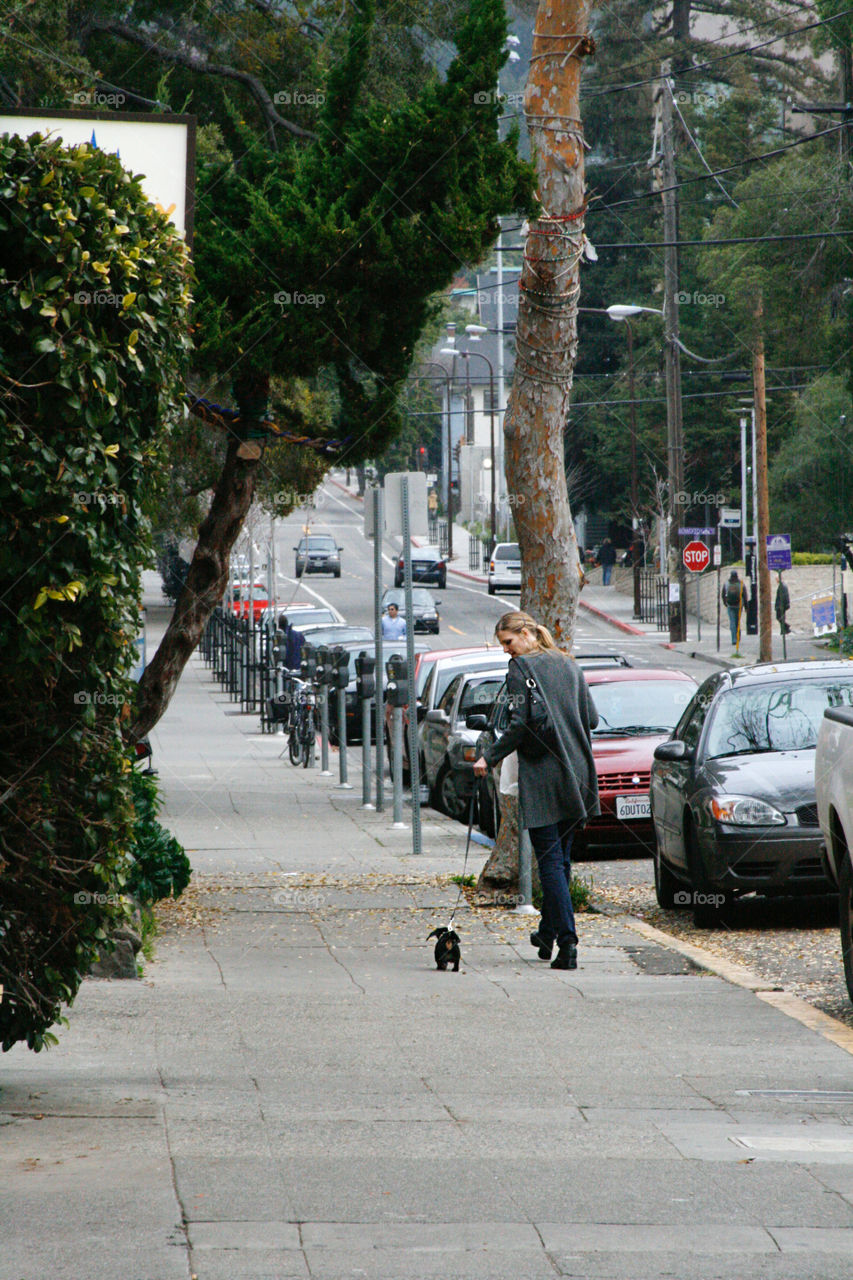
308,665
279,648
339,665
365,675
323,665
396,691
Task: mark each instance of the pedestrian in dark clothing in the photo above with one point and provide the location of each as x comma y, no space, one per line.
607,559
557,790
293,648
733,600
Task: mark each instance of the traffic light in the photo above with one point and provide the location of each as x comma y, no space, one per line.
365,675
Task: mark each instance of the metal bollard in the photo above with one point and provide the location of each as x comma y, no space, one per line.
343,784
323,701
397,747
365,753
525,874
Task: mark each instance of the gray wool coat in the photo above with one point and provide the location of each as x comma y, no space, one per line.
562,785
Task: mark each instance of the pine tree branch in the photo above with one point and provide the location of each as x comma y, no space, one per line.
199,64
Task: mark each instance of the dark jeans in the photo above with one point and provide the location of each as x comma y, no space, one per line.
733,612
553,848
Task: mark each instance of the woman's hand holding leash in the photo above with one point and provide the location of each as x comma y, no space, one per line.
481,768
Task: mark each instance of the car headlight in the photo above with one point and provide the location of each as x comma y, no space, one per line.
746,811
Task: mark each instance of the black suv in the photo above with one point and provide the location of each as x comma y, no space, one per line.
318,553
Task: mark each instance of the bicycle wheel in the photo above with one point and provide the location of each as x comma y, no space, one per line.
307,739
294,745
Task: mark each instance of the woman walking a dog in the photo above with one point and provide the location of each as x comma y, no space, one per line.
551,718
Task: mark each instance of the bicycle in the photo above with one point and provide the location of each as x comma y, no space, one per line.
302,723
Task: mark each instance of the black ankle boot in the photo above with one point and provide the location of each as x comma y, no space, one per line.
567,957
545,948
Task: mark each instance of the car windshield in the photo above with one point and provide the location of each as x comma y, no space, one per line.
420,598
317,544
445,675
774,717
509,551
478,695
630,708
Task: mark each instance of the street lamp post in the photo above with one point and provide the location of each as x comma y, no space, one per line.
475,330
435,365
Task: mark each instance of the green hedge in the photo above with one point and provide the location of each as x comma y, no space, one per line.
93,329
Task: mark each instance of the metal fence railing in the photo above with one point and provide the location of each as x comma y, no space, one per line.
654,599
239,653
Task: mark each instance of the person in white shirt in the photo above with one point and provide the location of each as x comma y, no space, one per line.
393,626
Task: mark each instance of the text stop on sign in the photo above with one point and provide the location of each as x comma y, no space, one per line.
696,557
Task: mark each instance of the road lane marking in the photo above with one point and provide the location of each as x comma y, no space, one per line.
456,630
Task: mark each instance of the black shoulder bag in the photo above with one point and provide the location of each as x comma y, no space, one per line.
540,737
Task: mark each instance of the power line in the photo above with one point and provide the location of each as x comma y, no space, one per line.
691,395
712,62
732,35
703,177
669,244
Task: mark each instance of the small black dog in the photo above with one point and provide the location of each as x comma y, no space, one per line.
447,948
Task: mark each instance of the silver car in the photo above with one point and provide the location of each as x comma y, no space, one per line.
444,733
505,568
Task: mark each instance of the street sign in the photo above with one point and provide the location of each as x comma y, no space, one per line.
778,551
718,555
729,518
696,557
823,614
706,532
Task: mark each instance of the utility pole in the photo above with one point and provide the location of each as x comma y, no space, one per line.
765,633
672,354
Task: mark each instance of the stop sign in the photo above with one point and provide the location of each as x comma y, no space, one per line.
696,557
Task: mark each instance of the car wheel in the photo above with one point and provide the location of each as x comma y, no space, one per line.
490,589
450,801
337,573
398,582
845,918
442,582
666,885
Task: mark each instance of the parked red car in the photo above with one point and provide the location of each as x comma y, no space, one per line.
638,708
238,595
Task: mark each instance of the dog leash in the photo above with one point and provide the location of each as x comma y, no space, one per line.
465,863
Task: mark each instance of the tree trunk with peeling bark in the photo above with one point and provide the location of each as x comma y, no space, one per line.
207,578
546,333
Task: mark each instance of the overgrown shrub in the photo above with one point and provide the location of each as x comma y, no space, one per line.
93,324
159,867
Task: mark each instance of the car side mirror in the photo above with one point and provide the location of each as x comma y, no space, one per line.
476,720
675,750
420,712
437,717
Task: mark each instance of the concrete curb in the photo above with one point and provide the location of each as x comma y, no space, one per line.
792,1006
614,622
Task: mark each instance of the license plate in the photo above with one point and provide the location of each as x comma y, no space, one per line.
629,808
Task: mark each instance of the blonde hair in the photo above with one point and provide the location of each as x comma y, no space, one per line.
517,621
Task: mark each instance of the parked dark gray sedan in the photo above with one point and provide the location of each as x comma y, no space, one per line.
733,792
